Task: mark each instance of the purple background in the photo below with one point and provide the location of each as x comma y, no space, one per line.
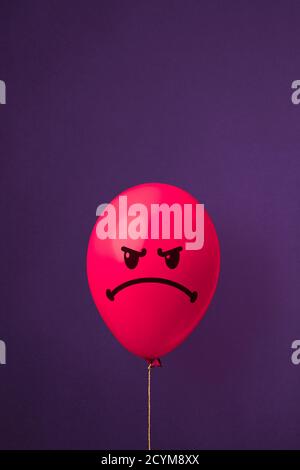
105,95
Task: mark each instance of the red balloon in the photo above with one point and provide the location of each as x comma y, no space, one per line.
151,292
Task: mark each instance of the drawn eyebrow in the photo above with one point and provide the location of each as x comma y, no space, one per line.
130,250
160,252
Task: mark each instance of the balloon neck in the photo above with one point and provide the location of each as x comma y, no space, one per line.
154,362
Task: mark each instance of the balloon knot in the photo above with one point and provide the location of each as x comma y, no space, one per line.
154,362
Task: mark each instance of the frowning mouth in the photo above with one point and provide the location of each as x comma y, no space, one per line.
112,293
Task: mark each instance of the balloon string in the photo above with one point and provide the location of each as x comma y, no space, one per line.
149,406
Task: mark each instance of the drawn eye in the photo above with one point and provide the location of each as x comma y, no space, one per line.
172,257
131,257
